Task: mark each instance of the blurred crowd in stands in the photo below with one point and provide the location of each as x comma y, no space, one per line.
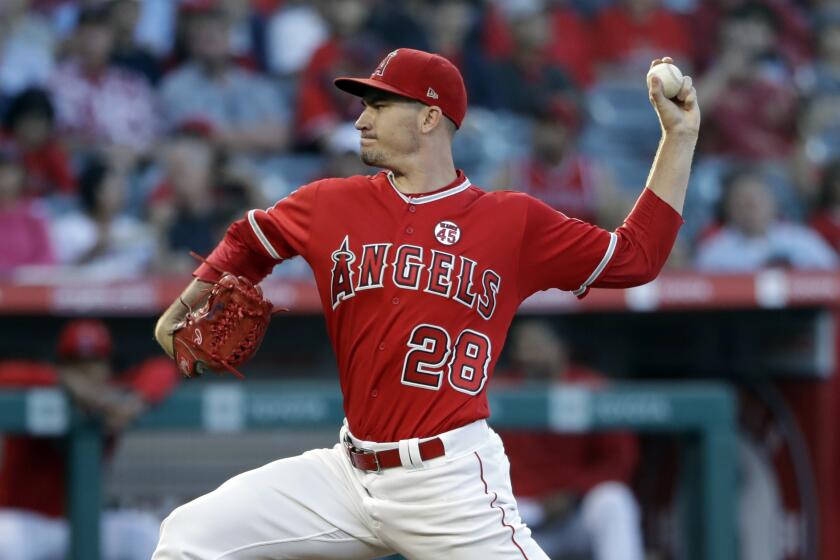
134,131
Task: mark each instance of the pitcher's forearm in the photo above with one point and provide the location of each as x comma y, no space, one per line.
668,177
193,295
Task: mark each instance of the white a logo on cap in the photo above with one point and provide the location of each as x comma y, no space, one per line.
432,93
380,70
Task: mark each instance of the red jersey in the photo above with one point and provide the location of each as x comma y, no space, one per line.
418,291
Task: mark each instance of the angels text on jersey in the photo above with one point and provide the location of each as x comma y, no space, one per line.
412,267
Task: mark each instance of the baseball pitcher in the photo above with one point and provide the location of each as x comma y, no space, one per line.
420,273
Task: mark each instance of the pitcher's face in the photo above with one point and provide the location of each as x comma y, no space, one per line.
389,127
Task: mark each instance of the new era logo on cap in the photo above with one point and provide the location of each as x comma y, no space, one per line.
425,77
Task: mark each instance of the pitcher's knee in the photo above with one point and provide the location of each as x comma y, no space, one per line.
179,532
610,502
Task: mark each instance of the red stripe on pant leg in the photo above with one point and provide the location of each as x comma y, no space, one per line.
493,501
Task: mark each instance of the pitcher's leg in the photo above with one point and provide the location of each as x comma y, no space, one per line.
302,507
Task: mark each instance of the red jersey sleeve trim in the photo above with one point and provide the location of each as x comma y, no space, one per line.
261,237
608,254
644,243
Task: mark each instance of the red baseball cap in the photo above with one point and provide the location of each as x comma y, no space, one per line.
84,339
425,77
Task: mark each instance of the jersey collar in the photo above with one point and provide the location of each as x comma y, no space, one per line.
460,184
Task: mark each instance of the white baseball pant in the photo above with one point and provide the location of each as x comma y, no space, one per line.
317,505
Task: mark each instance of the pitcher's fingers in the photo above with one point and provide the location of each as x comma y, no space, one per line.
687,86
656,92
690,99
655,61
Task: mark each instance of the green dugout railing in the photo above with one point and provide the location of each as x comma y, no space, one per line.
704,413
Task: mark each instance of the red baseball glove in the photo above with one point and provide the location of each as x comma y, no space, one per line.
224,332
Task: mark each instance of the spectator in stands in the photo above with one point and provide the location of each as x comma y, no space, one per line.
323,110
447,24
749,93
401,25
96,102
29,124
23,228
571,46
794,38
752,236
822,76
527,80
571,489
818,141
826,219
245,112
633,32
26,47
559,175
292,35
128,53
201,193
243,24
102,241
33,476
453,29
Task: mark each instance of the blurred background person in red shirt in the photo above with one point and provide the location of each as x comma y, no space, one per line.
556,172
23,227
29,129
33,485
572,489
749,91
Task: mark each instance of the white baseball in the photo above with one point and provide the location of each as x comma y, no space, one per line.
669,75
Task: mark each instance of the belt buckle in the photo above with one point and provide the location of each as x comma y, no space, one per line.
375,459
348,444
